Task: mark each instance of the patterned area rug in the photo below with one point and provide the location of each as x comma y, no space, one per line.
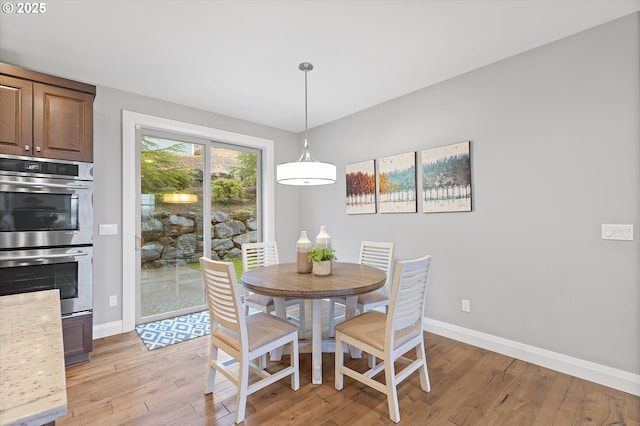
174,330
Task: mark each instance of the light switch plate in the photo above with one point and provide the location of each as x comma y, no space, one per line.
110,229
617,232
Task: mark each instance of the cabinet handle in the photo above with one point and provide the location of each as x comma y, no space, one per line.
27,147
38,149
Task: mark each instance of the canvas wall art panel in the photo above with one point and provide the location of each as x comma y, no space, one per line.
361,187
446,178
397,183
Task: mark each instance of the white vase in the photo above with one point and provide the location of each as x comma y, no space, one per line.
323,240
302,247
322,268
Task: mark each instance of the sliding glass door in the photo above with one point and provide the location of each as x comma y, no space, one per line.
196,198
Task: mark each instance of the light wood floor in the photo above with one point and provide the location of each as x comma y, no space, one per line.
124,383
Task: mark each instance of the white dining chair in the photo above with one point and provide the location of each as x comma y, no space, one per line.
258,255
390,336
244,337
372,253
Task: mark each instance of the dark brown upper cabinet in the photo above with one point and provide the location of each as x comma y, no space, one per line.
45,116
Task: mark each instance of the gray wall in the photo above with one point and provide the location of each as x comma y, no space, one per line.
555,154
108,107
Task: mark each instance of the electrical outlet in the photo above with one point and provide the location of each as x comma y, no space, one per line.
466,305
113,301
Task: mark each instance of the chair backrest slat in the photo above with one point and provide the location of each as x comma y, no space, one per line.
257,255
223,298
408,295
379,255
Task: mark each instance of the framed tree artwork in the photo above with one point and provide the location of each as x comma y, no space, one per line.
361,187
446,178
397,183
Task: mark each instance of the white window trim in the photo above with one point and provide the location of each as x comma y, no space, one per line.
130,122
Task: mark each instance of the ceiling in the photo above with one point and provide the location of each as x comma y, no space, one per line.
240,58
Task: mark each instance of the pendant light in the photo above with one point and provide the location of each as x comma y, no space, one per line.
307,170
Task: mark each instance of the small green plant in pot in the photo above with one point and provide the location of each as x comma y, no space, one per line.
322,258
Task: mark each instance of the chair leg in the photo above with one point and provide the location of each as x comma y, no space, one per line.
295,377
392,389
211,376
241,398
372,358
372,361
332,318
302,320
263,358
425,384
339,363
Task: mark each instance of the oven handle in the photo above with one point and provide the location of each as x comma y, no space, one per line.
44,257
43,185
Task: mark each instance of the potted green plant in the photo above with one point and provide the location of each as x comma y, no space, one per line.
322,258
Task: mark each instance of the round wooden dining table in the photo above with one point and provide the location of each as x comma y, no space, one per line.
283,281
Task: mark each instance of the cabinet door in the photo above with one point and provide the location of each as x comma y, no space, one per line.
15,116
62,123
77,337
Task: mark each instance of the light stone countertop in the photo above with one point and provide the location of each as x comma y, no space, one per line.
32,373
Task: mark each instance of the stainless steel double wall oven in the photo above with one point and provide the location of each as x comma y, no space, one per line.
46,229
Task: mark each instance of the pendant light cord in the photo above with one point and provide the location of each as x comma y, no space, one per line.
306,152
306,129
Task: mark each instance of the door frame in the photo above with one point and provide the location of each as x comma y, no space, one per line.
130,241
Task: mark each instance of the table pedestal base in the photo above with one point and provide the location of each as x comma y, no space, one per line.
318,346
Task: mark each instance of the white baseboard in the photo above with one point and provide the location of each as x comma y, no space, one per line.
106,330
597,373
